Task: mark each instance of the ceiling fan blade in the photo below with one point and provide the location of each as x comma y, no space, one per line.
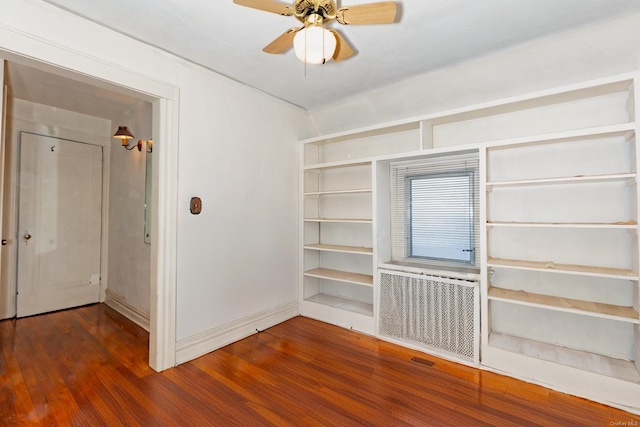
282,43
267,5
343,50
371,13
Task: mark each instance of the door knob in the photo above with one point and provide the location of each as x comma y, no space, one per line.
27,236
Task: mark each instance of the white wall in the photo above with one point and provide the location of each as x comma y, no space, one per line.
236,149
585,53
239,156
129,256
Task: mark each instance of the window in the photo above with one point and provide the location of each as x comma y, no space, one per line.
435,210
441,216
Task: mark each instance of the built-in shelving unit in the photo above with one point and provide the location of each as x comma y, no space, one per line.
559,229
337,205
562,248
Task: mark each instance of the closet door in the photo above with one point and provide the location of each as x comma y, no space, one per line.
59,224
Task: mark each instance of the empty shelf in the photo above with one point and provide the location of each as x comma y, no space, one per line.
340,276
344,220
585,270
342,304
604,365
615,312
597,225
339,248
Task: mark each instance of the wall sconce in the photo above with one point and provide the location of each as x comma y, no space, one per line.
125,135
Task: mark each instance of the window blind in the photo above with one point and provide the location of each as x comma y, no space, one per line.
436,209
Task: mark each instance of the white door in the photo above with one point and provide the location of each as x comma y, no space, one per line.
59,224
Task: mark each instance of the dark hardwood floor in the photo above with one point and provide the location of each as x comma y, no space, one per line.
88,367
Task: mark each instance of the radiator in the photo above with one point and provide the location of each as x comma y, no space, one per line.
439,314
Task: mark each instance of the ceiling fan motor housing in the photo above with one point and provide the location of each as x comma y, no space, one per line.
325,8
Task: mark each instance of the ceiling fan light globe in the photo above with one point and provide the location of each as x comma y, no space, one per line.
314,45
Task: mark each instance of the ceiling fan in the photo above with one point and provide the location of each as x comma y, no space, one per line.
313,43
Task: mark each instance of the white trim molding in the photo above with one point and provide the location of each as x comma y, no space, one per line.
212,339
122,306
164,257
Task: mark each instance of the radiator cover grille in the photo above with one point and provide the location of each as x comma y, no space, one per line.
436,313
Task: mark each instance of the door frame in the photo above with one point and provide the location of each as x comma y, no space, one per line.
164,98
6,303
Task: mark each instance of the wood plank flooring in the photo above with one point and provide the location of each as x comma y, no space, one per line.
88,367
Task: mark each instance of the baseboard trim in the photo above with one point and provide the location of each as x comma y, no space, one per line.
122,306
208,341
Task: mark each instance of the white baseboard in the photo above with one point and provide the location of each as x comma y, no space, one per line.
208,341
122,306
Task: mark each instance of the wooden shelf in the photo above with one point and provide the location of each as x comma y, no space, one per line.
336,165
623,129
608,311
378,130
340,276
615,225
342,304
344,220
584,270
564,180
339,248
331,192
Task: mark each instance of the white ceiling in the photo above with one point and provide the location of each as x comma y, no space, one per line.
42,87
428,35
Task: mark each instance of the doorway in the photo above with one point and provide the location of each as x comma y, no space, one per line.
163,105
